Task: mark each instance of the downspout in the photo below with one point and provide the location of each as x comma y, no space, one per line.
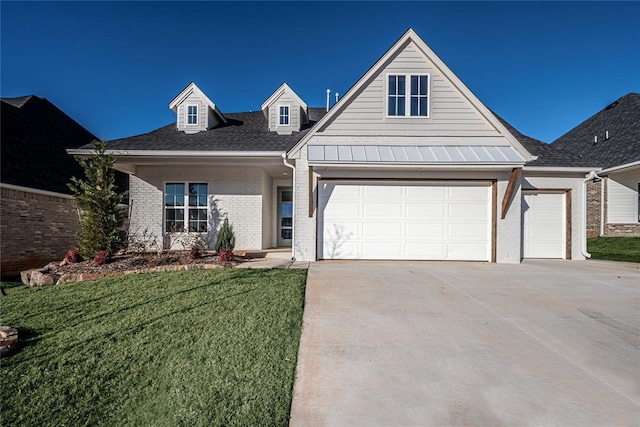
293,205
602,207
583,246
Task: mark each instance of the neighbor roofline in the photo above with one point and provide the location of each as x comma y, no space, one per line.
621,167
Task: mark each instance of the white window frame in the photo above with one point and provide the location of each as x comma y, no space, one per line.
185,206
288,107
186,116
407,96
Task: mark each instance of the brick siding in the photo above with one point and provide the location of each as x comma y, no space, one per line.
593,208
35,229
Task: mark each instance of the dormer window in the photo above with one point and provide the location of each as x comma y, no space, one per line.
192,114
284,115
412,101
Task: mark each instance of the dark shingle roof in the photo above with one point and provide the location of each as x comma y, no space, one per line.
622,120
35,136
242,132
547,154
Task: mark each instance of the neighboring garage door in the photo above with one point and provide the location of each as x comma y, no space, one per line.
413,221
543,225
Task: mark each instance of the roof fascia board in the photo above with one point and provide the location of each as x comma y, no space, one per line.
410,35
619,168
581,169
177,153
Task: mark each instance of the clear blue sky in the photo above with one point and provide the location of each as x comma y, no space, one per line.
114,66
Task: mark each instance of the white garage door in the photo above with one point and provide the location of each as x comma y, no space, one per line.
543,225
382,220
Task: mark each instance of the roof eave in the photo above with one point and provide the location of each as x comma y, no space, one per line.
632,165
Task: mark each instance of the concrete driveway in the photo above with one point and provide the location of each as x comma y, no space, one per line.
435,344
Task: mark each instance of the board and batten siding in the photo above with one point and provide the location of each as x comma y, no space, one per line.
622,198
450,113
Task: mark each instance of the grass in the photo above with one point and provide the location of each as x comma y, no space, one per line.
615,248
192,348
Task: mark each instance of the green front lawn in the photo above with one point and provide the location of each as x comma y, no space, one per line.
191,348
615,248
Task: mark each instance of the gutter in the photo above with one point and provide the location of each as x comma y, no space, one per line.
592,175
177,153
293,205
560,169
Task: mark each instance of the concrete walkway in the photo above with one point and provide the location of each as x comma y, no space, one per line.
272,258
547,343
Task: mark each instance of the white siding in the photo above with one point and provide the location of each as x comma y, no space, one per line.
234,192
449,110
622,198
206,118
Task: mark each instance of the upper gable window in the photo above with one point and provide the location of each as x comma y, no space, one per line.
192,114
283,115
408,102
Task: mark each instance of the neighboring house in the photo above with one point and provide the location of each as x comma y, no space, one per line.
611,139
409,164
39,219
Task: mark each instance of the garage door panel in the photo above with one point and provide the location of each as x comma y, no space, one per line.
467,251
421,210
381,250
423,221
425,193
382,210
425,230
382,230
383,191
425,251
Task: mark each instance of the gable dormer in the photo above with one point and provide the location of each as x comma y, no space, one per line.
194,111
285,111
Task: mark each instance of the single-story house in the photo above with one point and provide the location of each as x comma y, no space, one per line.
611,139
409,164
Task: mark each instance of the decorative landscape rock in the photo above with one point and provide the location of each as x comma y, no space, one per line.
8,339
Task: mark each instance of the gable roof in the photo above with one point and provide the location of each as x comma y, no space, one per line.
284,87
411,36
192,88
246,132
35,134
621,119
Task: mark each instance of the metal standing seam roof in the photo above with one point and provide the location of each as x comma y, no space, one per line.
414,154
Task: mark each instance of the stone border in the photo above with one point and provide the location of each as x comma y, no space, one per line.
40,277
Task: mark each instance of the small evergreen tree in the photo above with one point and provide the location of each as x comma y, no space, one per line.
226,239
101,216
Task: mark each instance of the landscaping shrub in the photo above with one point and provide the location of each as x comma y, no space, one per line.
225,255
195,253
226,239
101,258
72,257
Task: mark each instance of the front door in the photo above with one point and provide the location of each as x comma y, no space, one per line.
285,216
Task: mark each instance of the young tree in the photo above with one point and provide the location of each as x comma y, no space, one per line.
226,238
101,213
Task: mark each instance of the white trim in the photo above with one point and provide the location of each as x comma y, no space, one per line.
35,191
185,207
407,96
621,167
288,106
559,169
419,166
408,36
187,114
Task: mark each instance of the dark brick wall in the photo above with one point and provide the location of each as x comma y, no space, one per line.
35,229
622,229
